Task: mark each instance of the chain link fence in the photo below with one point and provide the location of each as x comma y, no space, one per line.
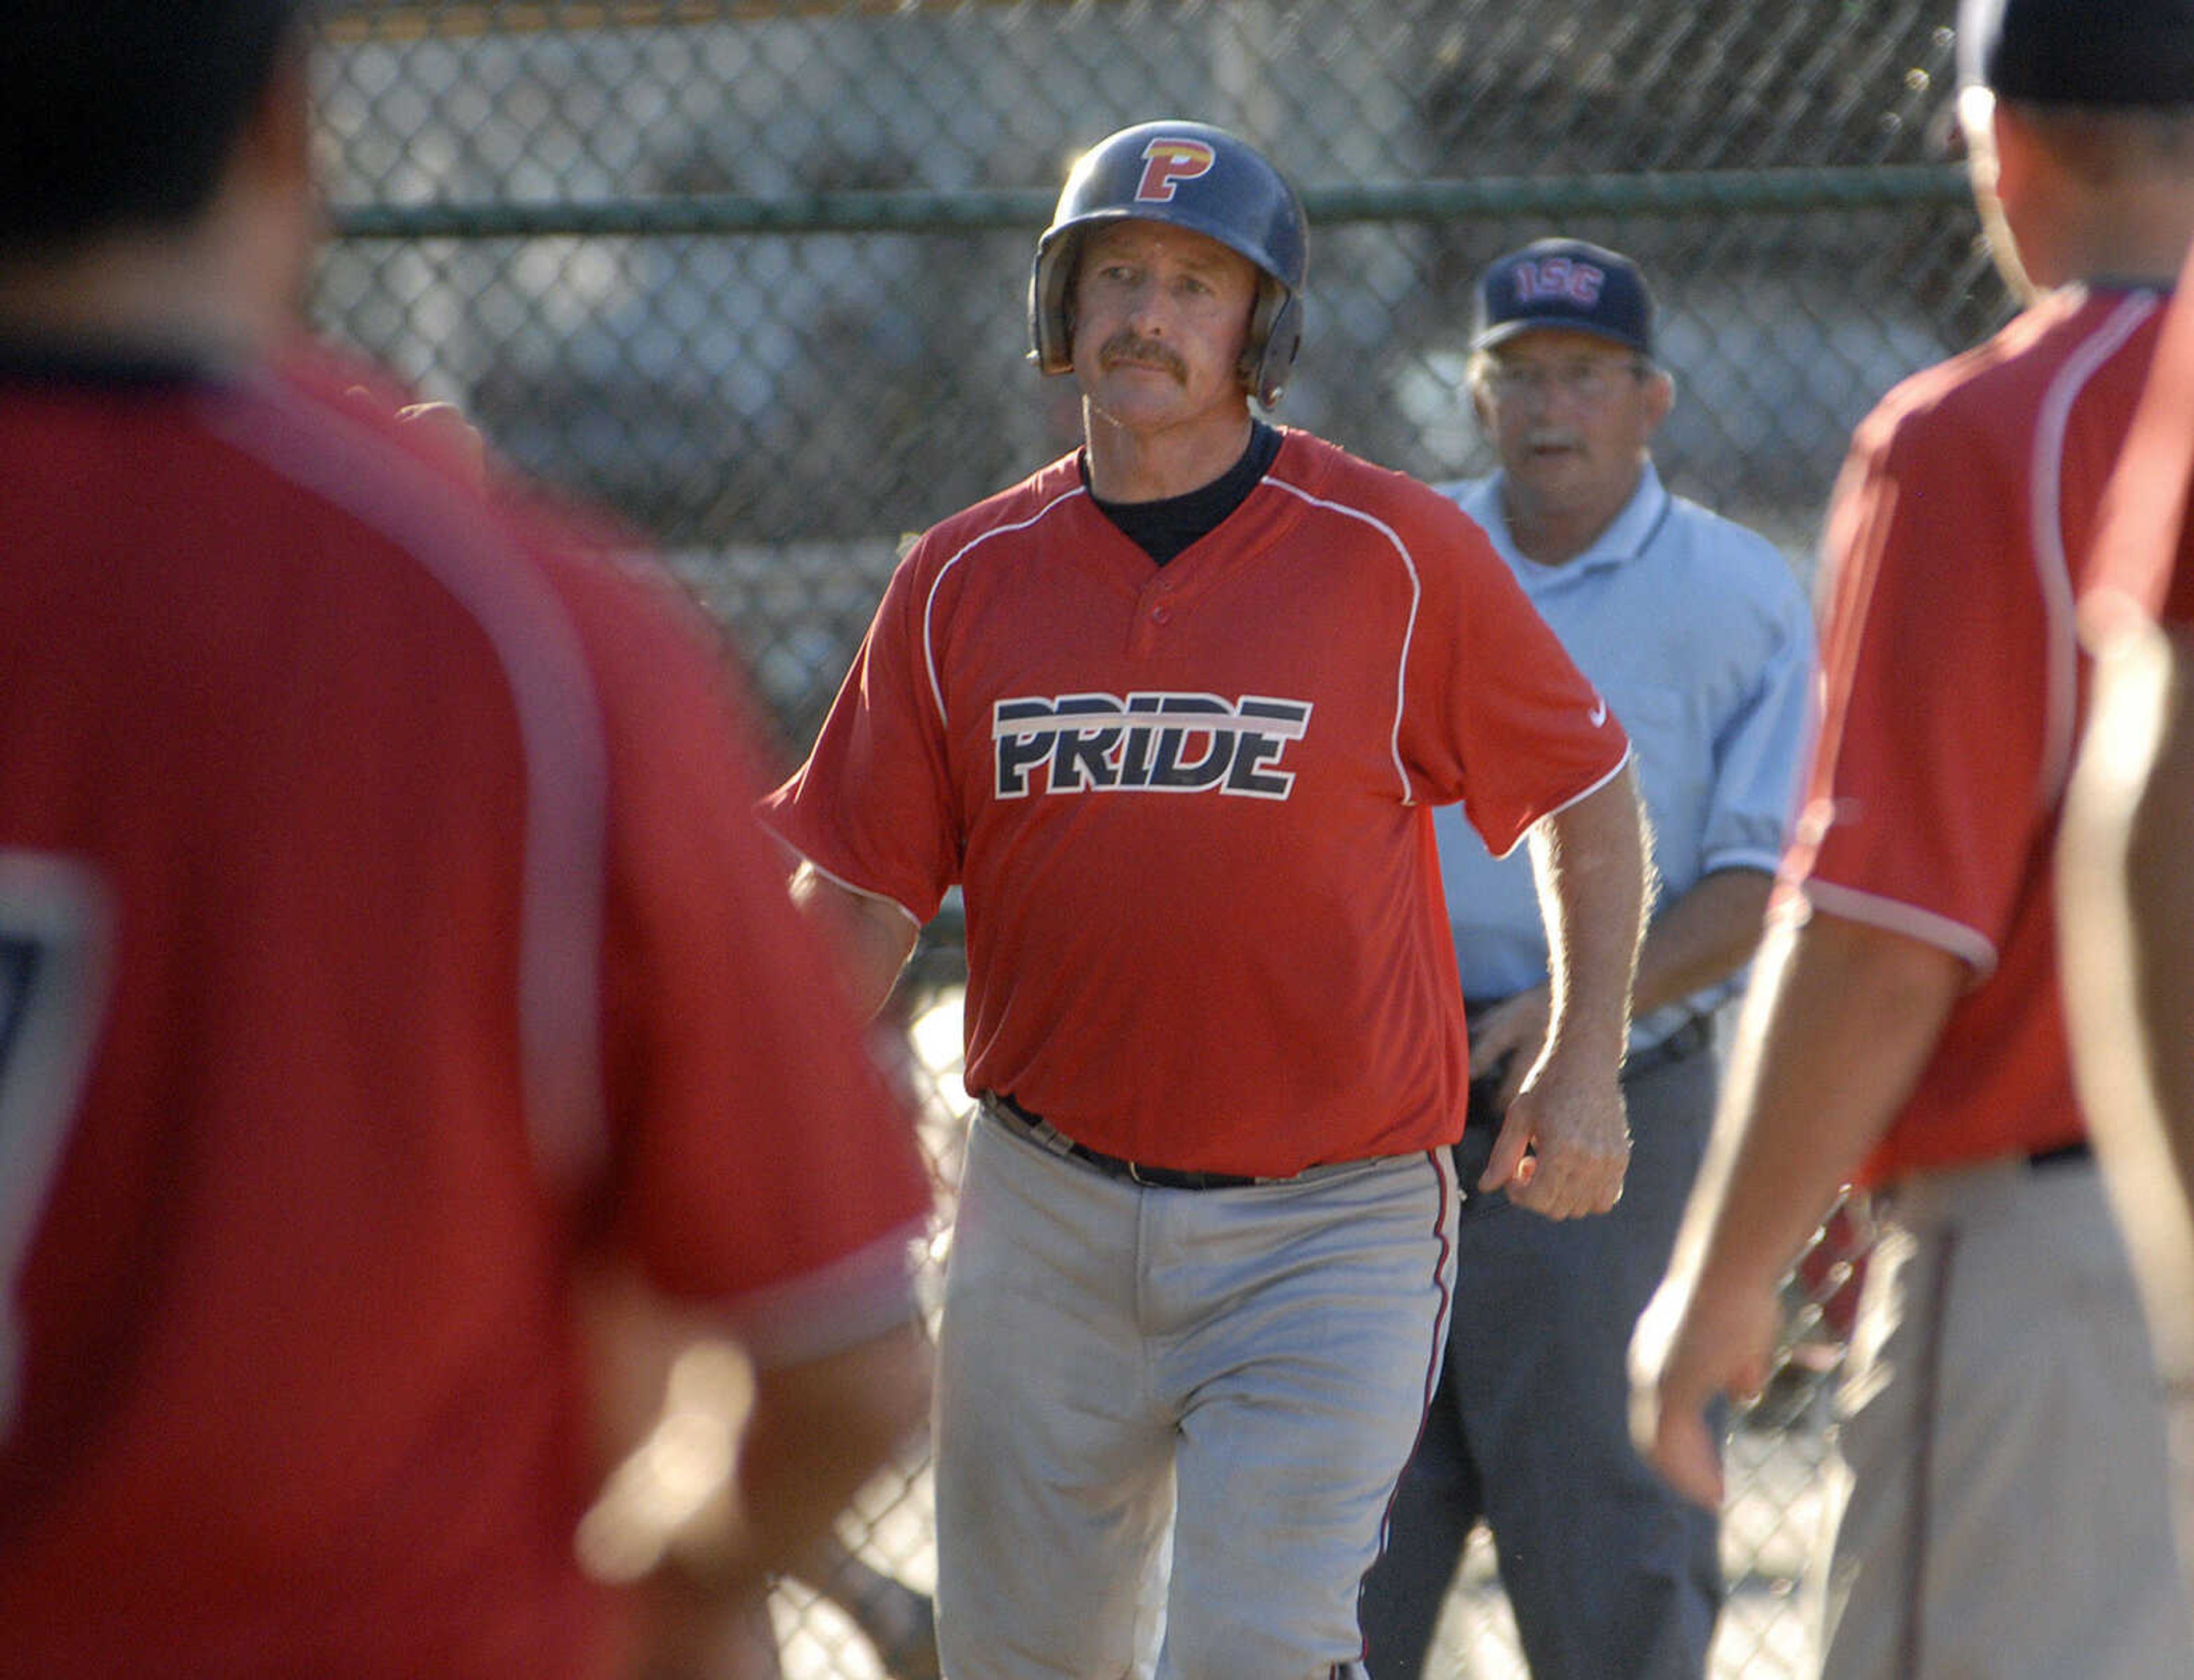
754,275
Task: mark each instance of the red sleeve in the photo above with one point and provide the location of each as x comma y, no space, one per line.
761,1159
1935,720
1496,714
873,806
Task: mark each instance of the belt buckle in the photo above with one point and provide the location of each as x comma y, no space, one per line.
1135,1177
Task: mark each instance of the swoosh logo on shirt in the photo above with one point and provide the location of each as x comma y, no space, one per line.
1598,713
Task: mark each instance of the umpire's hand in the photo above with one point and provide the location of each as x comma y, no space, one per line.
1508,1037
1564,1141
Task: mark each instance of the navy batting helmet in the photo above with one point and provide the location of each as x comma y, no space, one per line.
1192,176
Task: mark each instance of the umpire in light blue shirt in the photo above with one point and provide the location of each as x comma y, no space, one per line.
1701,638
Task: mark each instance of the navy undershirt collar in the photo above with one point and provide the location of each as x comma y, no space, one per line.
111,363
1162,528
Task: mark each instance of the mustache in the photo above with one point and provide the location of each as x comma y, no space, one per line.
1128,346
1552,438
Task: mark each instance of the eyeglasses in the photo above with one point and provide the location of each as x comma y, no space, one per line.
1592,380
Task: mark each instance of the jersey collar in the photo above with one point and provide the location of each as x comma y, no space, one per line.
54,360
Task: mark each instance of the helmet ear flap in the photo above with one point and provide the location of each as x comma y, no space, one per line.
1051,333
1275,335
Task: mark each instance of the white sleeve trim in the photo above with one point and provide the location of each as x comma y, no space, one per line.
853,887
1967,945
1614,770
1767,862
1555,811
852,1299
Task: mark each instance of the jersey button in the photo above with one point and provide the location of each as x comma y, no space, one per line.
1161,615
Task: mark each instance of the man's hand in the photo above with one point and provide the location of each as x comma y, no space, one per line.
1696,1341
1509,1036
1839,1021
1564,1141
445,426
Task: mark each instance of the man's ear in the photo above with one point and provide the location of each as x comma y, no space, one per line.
1481,404
2014,189
2012,146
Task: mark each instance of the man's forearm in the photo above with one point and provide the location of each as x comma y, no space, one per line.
873,935
2126,898
1701,938
1591,863
1839,1021
732,1470
1564,1144
1838,1024
2159,897
819,1431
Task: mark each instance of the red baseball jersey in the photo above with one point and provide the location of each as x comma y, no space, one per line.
1953,696
1187,806
383,928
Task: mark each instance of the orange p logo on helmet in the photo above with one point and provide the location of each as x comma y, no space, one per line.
1167,161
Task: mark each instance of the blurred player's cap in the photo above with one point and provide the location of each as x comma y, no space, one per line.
2080,52
1566,284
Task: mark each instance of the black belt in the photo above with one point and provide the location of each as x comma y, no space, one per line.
2064,1154
1042,1131
1696,1034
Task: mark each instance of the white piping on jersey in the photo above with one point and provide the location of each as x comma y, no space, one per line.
861,892
1408,629
560,728
1393,537
929,601
2053,578
1898,917
2046,512
1582,793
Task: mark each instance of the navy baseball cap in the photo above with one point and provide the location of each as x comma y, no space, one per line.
1567,283
2126,53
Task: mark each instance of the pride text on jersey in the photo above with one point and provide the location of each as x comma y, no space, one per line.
1148,743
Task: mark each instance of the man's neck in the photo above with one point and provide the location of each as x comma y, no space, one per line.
1128,465
2135,233
181,293
1551,536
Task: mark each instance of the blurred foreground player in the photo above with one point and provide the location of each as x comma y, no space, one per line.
387,954
1999,1507
2126,893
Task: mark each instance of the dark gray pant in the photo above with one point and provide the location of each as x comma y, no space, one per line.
1612,1576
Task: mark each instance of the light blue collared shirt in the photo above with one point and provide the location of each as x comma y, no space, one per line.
1698,634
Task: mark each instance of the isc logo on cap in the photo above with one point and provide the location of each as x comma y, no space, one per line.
1559,279
1167,162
